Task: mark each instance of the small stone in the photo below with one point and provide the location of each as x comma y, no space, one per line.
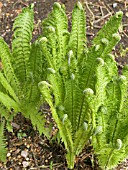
25,164
27,159
46,161
5,4
17,151
19,156
15,125
114,5
126,14
28,146
24,154
8,154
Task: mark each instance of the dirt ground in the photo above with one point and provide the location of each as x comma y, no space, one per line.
26,149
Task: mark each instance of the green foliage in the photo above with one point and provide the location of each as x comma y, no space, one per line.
3,149
110,143
80,80
82,86
23,69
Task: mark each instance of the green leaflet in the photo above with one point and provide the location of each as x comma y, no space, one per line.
5,112
8,102
3,149
7,63
70,102
81,138
113,156
7,86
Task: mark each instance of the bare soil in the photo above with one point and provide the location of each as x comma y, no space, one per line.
26,149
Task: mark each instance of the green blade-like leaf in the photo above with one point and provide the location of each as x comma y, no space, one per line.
7,64
3,149
22,27
8,88
78,32
8,102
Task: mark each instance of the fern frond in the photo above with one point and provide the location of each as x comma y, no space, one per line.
106,70
114,127
113,156
58,21
78,33
6,113
37,70
63,122
108,35
81,138
37,118
22,27
3,149
52,45
46,52
70,102
88,73
8,88
57,83
38,63
103,44
7,64
121,129
8,102
113,106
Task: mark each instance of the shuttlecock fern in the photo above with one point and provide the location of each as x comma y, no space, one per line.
23,69
86,95
77,76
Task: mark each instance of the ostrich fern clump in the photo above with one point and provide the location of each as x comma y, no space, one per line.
23,69
83,88
87,97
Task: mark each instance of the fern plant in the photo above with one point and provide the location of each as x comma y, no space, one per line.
111,119
23,69
77,83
